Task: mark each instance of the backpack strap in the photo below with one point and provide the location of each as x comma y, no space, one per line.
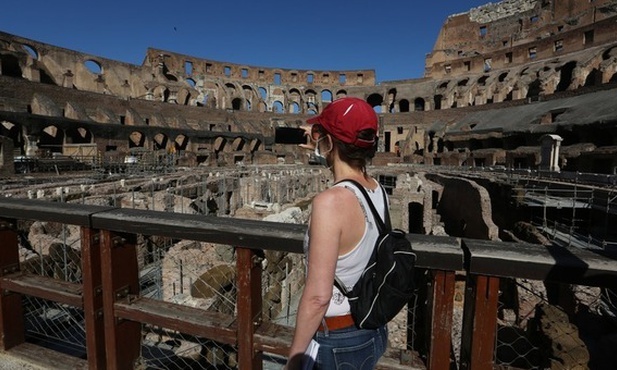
381,226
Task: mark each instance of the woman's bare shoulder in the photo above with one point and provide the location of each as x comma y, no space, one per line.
335,195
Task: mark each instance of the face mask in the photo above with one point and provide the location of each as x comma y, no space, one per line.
321,159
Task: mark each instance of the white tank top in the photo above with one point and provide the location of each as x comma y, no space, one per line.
349,266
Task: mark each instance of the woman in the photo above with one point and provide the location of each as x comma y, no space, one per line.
340,239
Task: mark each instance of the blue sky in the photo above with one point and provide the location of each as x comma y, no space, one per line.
390,36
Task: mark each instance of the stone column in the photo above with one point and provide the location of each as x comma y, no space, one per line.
550,152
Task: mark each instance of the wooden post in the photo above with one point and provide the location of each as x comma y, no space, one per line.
12,330
120,278
479,323
440,306
249,305
93,298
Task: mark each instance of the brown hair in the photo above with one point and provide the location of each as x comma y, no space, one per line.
355,156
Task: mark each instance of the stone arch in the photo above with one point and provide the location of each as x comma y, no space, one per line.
418,104
137,140
565,76
403,105
278,107
93,66
183,97
294,107
236,103
181,142
79,135
230,88
31,50
263,93
238,144
51,139
341,94
12,131
375,100
161,93
534,89
255,145
594,78
159,141
220,144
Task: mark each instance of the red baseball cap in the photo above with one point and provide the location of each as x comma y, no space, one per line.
344,118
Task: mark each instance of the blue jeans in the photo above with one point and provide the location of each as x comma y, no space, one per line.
350,348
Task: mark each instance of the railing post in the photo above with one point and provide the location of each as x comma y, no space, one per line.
12,331
440,308
479,323
120,278
249,305
93,298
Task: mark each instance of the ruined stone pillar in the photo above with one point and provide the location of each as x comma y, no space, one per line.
550,152
31,145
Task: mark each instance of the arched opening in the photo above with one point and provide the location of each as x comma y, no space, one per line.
51,140
236,104
12,131
137,140
341,94
183,97
277,107
78,135
482,80
93,66
403,105
594,78
295,107
181,142
502,77
159,141
391,100
161,93
437,100
534,89
565,76
219,144
34,54
326,96
255,145
418,105
238,144
10,66
375,101
263,93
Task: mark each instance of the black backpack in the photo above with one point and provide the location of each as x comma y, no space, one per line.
386,284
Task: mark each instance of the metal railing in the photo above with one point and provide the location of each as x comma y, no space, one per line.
147,289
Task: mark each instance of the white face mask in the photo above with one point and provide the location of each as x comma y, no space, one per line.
318,155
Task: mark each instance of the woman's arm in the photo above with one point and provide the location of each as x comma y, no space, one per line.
326,225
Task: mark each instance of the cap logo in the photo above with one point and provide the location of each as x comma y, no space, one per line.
348,109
